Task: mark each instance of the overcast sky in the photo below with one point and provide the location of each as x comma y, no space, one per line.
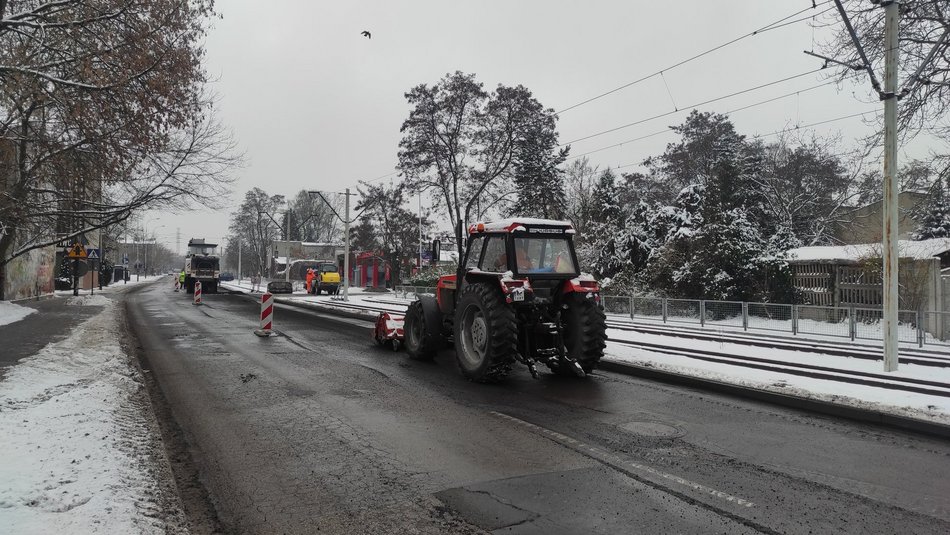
315,105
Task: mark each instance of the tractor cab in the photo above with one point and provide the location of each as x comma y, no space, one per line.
532,260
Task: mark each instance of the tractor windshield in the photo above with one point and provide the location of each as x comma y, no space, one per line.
327,268
544,255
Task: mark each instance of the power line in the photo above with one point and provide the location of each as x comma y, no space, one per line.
772,26
710,101
777,132
666,130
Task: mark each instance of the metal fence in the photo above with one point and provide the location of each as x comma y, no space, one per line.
920,328
937,328
413,292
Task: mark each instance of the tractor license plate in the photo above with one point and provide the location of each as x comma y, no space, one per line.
517,294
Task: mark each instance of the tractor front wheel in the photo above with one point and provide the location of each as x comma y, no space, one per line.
486,334
585,331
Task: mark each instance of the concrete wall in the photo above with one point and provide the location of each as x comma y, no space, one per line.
30,275
866,224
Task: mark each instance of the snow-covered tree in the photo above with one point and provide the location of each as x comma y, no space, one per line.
538,181
600,251
934,216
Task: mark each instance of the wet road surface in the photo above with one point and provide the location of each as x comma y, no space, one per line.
319,430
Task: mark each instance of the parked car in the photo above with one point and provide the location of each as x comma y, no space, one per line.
280,287
226,276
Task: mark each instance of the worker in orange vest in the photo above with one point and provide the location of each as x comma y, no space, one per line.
309,280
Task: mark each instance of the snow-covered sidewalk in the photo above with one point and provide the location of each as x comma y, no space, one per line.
80,450
914,405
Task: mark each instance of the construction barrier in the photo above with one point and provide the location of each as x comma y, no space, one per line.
197,292
267,315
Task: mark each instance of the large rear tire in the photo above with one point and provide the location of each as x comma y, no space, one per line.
585,331
422,331
486,334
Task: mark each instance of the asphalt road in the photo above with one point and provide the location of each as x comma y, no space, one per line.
318,430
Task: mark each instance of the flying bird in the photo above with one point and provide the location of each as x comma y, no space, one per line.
366,34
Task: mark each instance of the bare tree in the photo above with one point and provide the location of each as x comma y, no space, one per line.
396,227
805,185
579,179
924,41
254,226
102,112
460,142
315,220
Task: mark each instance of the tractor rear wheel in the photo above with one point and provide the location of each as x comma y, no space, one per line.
486,334
585,331
422,331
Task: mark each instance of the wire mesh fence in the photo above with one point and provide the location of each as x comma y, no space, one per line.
771,317
616,305
937,325
683,311
649,308
723,314
919,328
823,321
868,324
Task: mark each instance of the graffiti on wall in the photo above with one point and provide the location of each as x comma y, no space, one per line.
31,274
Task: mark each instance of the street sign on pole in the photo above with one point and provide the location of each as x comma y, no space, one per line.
77,251
92,254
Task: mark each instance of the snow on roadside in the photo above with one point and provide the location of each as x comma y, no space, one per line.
899,402
87,300
10,312
79,450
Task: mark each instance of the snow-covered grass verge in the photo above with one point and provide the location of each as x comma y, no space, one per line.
898,402
10,312
79,450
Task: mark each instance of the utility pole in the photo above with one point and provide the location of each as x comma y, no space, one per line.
420,231
346,248
346,236
287,241
239,260
888,93
890,245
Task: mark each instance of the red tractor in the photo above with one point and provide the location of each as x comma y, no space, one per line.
518,296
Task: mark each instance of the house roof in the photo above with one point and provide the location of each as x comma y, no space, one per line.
916,250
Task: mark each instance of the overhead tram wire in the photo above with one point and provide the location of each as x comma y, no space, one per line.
782,22
777,132
703,103
666,130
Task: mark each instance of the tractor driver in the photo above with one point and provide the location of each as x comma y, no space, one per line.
521,256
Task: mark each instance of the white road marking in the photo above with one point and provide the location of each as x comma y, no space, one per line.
617,462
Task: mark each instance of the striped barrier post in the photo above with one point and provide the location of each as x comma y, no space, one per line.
197,292
267,315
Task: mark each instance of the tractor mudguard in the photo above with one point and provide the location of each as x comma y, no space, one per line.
431,313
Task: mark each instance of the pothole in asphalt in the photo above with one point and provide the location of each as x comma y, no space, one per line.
653,429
